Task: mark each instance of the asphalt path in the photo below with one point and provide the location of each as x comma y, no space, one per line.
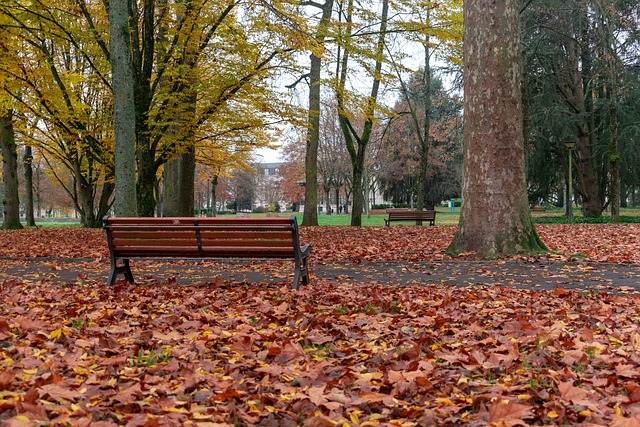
521,274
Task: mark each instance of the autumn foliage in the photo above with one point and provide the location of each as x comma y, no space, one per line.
215,354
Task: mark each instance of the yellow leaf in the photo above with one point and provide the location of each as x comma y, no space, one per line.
55,334
22,418
463,380
552,414
201,416
585,413
615,341
524,397
354,419
444,401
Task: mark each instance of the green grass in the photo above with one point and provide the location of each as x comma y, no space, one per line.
376,220
551,216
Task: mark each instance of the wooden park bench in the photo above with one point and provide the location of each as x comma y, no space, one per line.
204,238
409,215
538,208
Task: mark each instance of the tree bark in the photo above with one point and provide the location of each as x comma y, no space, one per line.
11,200
179,175
426,127
310,215
495,218
214,197
123,110
27,160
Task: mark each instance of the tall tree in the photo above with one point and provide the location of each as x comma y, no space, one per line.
27,161
357,138
124,111
310,215
59,76
495,218
11,201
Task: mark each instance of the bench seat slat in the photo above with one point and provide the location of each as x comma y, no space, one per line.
120,244
205,234
187,221
208,251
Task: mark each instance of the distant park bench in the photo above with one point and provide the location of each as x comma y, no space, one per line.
538,209
409,215
204,238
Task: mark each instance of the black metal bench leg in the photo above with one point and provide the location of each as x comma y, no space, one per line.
302,272
117,270
305,271
296,276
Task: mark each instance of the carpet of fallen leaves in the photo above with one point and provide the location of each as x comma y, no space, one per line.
217,354
594,242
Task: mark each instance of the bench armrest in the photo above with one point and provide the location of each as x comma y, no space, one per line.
305,250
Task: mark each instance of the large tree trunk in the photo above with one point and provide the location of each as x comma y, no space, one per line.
358,186
85,200
146,183
426,127
179,175
11,200
310,215
123,110
495,218
27,161
214,196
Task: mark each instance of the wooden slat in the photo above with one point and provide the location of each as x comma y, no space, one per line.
246,234
156,234
411,215
126,221
210,251
130,243
254,252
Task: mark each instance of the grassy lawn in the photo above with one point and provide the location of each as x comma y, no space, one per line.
551,215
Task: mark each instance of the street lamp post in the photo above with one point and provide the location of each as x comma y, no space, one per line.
570,146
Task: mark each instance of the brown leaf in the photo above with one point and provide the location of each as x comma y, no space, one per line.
509,412
58,393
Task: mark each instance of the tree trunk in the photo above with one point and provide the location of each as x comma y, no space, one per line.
27,160
357,144
11,200
123,109
358,188
85,202
612,92
426,127
592,202
179,176
214,197
495,218
310,215
145,186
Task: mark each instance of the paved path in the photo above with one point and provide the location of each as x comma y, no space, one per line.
521,274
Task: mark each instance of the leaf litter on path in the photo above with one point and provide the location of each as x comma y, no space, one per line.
334,353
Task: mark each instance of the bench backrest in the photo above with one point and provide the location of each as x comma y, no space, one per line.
400,214
202,237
